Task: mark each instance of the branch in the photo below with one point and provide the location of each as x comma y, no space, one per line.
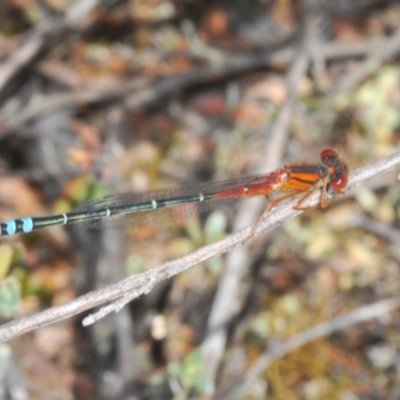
39,38
136,285
340,323
228,292
377,55
138,93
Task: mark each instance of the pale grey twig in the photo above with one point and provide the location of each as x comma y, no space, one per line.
276,217
138,94
223,309
340,323
38,39
378,54
118,304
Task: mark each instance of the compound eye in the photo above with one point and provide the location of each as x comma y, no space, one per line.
340,183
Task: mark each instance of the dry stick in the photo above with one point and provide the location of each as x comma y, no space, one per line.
213,347
38,40
51,103
22,57
227,295
118,304
279,350
392,235
143,92
143,281
11,376
378,54
113,253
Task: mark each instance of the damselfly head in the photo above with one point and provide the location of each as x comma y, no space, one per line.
337,169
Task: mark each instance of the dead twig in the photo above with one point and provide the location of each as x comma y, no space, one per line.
138,93
226,298
378,54
39,39
340,323
145,281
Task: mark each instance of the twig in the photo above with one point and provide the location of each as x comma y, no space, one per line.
96,94
223,309
279,350
23,56
378,54
11,380
143,94
37,41
392,235
276,217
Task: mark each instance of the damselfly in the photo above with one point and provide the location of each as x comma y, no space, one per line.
156,207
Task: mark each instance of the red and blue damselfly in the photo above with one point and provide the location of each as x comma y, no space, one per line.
133,210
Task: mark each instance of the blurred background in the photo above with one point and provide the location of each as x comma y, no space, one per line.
100,97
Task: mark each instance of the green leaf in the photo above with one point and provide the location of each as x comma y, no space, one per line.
10,296
6,256
215,226
188,373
